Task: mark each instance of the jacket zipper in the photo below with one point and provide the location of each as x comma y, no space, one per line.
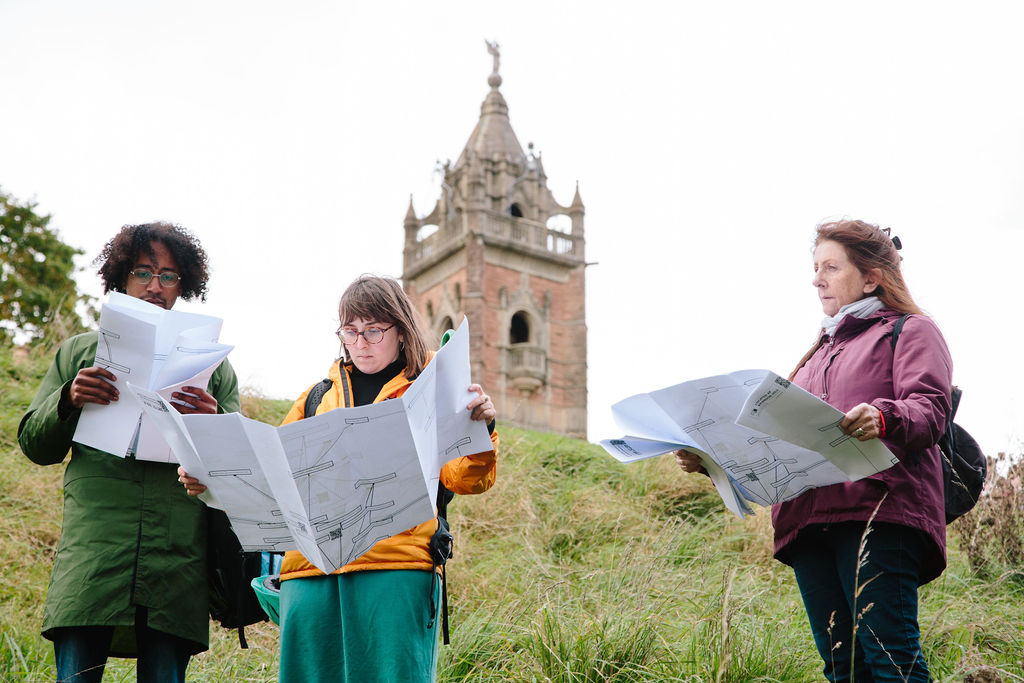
828,365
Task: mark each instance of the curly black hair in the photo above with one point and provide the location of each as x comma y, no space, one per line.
121,254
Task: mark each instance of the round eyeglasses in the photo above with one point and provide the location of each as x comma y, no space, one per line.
166,279
372,335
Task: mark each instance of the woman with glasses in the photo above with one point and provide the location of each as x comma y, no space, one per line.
861,549
371,620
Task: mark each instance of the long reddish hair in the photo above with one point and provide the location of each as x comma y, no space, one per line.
868,247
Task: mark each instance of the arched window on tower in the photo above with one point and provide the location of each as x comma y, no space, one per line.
426,231
458,296
446,325
559,225
430,311
515,211
519,329
525,361
425,246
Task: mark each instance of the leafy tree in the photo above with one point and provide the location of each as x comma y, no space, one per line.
36,269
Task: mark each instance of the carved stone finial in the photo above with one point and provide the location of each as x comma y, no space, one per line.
494,50
494,80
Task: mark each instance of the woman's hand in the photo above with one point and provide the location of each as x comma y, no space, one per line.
194,401
93,385
192,486
689,462
481,406
863,422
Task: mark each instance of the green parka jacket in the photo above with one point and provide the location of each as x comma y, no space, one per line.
131,536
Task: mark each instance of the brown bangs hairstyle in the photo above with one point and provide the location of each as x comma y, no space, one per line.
382,299
122,252
868,247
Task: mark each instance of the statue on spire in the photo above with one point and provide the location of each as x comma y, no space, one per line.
493,49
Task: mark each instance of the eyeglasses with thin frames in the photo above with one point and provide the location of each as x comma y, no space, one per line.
372,335
166,279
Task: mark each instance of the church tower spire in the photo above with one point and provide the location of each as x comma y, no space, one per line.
493,136
498,248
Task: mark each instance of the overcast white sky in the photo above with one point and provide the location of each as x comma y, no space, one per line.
708,140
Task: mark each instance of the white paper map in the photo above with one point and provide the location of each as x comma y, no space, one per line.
153,348
761,438
332,485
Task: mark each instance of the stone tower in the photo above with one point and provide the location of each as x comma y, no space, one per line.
500,250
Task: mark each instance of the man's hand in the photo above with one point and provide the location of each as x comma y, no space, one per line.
191,484
93,385
195,401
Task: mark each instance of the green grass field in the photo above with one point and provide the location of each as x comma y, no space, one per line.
573,568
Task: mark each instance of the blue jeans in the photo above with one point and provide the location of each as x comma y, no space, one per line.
81,653
888,637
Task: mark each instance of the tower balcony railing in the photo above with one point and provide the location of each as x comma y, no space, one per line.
526,360
532,233
434,243
516,230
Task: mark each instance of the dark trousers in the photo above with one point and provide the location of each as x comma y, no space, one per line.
880,601
81,653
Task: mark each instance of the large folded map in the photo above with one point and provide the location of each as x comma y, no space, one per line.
153,348
332,485
761,438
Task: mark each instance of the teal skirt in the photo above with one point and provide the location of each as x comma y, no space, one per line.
360,627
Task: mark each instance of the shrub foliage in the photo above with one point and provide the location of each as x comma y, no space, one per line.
36,272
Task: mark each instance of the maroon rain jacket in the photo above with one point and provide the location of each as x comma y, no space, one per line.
912,389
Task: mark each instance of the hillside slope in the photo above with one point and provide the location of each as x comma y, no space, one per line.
572,568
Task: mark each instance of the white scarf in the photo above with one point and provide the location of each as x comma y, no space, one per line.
861,308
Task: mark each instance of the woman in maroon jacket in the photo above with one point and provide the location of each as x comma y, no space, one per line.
861,549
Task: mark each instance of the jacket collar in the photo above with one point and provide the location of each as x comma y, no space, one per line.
851,326
397,383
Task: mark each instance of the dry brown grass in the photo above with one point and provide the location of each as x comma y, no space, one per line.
992,534
573,567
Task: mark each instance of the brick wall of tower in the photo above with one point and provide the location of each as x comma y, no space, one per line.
560,403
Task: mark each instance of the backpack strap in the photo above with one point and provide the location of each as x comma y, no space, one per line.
955,392
896,329
315,396
444,605
441,542
440,552
954,401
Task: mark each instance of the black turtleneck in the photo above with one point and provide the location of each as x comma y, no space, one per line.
366,388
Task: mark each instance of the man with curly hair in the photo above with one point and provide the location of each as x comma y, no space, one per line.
129,575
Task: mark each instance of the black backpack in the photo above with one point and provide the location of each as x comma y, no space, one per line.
440,543
964,466
230,571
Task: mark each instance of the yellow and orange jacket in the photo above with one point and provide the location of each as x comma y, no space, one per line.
410,549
